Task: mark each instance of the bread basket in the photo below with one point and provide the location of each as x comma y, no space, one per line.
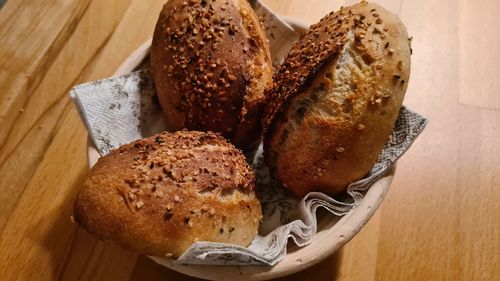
333,232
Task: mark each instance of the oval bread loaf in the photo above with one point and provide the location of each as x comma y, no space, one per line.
336,98
211,66
160,194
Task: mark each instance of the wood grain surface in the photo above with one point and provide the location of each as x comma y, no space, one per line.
440,220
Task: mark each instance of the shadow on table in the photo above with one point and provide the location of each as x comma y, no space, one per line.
74,254
147,269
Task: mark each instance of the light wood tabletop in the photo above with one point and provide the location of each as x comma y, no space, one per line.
440,220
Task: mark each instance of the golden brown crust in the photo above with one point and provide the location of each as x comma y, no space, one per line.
160,194
336,99
211,65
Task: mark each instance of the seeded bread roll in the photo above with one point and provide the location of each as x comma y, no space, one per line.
211,66
336,98
160,194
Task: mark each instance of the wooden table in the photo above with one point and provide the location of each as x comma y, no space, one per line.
440,221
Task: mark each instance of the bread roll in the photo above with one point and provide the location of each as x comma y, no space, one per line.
159,195
336,98
211,66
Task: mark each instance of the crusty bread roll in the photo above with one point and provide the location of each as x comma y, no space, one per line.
336,98
211,66
160,194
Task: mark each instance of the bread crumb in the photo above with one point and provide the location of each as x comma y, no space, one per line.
139,204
